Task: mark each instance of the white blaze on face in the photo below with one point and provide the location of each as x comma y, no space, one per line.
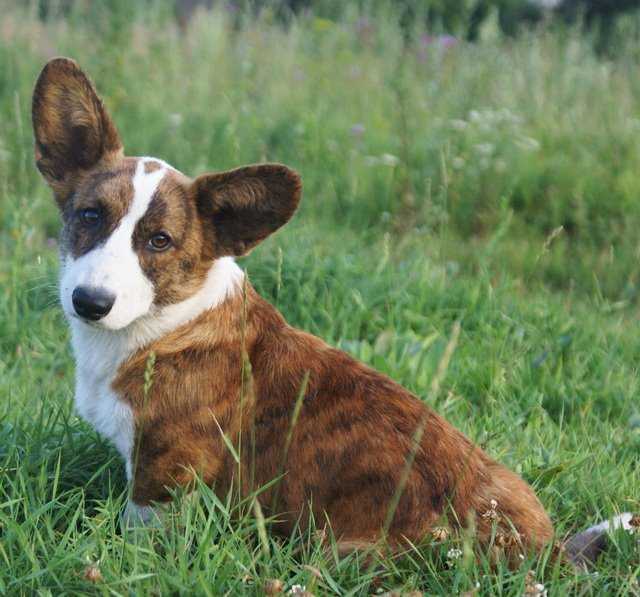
114,265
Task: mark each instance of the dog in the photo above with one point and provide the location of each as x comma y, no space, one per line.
177,357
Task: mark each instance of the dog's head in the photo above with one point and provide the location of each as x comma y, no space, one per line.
138,235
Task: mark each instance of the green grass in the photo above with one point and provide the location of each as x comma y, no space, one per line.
436,183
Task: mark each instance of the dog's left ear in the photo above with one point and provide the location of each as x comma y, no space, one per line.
72,129
242,207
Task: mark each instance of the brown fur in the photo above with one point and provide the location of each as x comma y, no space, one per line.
244,206
178,273
90,191
72,128
348,448
239,369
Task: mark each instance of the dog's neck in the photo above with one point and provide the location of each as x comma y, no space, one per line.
101,351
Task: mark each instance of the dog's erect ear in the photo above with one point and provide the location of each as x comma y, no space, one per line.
72,129
244,206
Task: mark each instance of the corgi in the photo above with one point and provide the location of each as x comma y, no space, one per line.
148,277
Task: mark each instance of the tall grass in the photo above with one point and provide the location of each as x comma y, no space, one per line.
493,185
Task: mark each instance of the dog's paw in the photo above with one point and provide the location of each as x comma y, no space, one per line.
141,516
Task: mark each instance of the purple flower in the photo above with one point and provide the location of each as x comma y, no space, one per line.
442,41
357,130
364,29
439,42
447,41
362,24
427,40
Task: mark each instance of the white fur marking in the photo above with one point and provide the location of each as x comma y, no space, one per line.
622,521
99,352
114,266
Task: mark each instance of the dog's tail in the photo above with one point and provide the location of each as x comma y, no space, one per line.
584,548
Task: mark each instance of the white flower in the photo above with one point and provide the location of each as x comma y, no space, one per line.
484,148
536,590
458,162
458,124
533,588
175,119
297,590
389,160
528,144
454,554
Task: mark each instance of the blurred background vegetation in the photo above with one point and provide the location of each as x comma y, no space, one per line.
458,120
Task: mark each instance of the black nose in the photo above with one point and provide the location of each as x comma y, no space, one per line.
92,303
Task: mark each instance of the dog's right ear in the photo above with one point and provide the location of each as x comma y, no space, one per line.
72,129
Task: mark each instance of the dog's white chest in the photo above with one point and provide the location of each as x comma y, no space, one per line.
98,358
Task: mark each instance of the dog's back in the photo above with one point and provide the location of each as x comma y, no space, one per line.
341,448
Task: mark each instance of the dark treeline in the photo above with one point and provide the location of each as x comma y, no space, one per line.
464,18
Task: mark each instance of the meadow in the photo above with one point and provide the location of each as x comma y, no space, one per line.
494,186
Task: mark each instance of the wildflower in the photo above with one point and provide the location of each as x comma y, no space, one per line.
443,41
500,165
364,29
533,588
299,590
484,148
475,116
92,573
528,144
447,41
426,40
510,539
388,159
458,124
458,162
492,512
273,586
453,554
440,533
357,130
175,119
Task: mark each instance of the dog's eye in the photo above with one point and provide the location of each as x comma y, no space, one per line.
89,216
159,241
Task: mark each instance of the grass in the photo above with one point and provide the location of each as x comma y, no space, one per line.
493,185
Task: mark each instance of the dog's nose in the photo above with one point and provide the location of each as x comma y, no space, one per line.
92,303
